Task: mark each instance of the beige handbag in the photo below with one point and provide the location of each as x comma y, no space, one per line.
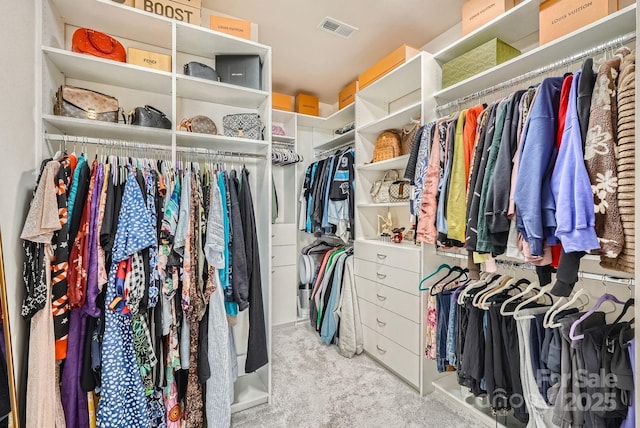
407,138
85,104
380,189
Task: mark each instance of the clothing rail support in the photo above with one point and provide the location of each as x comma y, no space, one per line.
331,151
618,41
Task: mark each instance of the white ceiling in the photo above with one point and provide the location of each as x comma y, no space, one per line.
308,59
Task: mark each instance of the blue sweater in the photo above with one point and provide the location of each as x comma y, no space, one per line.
535,207
571,187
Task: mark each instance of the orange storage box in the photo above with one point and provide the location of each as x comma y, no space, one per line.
560,17
235,27
386,64
281,101
347,95
307,104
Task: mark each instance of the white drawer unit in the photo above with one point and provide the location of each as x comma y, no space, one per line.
283,234
399,302
284,288
399,279
284,255
399,257
391,325
401,361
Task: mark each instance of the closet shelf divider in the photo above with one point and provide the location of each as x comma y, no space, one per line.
397,119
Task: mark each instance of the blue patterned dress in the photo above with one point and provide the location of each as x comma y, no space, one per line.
122,402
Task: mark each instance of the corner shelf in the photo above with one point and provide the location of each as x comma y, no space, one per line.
90,68
402,81
587,37
397,120
332,122
106,130
283,138
510,27
220,142
337,141
218,92
399,162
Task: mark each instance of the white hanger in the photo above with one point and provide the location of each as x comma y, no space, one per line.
551,314
503,310
483,304
517,312
477,284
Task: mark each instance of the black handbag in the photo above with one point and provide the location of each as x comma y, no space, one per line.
150,117
203,71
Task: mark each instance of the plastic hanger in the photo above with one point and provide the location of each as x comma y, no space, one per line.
503,310
629,303
461,273
480,300
431,275
484,278
542,291
604,298
557,308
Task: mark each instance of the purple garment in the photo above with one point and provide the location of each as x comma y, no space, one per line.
90,308
630,421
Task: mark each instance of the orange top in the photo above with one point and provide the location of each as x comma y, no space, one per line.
469,136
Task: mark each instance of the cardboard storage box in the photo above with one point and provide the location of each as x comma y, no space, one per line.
307,104
386,64
149,59
193,3
625,3
560,17
235,27
125,2
477,60
347,95
476,13
281,101
171,9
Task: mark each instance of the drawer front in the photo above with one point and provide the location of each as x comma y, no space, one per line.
284,286
399,302
403,362
396,278
284,255
283,234
398,257
392,326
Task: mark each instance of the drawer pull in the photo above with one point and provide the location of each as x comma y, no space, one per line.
381,276
380,323
381,256
381,298
380,350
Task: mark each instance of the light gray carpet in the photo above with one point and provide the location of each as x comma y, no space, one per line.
313,386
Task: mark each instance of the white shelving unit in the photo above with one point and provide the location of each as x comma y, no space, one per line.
178,96
513,27
398,163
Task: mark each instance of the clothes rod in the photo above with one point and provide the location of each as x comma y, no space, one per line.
331,151
542,70
526,266
145,146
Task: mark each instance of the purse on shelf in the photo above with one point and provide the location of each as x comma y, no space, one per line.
380,190
407,138
242,125
277,129
203,71
198,124
149,116
92,42
388,146
399,191
83,103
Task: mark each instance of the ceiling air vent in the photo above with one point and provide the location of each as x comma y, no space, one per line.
336,27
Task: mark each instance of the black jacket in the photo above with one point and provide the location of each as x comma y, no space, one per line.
240,279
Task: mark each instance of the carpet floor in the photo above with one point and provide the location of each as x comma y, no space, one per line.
313,386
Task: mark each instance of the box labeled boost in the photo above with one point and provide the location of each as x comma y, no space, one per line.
307,104
347,95
386,64
149,59
476,13
171,9
477,60
560,17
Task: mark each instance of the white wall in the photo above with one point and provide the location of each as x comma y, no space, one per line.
17,142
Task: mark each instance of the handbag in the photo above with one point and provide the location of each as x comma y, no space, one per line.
380,189
85,104
150,117
242,125
407,138
203,71
399,191
277,129
388,146
92,42
199,124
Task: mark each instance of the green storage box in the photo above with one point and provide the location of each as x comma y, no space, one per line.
477,60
